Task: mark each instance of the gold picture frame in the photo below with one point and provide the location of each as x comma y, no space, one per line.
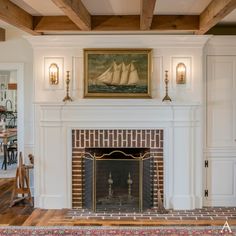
117,73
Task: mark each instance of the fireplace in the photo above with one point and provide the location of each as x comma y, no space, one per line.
118,179
124,148
127,123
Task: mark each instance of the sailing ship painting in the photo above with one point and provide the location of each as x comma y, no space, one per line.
117,73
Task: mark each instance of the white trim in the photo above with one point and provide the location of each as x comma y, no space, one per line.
161,41
221,45
140,103
69,166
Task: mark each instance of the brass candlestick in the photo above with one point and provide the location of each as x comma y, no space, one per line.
67,97
166,98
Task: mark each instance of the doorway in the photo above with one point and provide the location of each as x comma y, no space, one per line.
11,117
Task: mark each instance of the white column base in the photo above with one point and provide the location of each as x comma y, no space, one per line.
183,202
51,202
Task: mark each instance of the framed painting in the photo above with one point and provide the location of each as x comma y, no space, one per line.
117,73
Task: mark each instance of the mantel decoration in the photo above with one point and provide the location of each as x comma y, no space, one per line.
117,73
166,98
67,97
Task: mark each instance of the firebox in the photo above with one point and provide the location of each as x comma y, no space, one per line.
96,142
118,179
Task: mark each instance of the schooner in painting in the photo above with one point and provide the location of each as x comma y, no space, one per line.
117,73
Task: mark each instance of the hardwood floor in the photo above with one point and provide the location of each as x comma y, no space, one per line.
15,215
24,214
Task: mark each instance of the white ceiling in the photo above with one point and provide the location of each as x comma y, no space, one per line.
113,7
39,7
117,7
231,18
132,7
181,7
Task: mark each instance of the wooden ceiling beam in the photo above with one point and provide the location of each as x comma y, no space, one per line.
215,12
115,23
175,23
76,11
223,30
54,24
2,34
14,15
146,14
119,23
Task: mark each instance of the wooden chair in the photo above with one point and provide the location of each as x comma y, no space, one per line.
21,184
12,152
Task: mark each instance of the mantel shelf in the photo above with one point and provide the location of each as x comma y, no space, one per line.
117,103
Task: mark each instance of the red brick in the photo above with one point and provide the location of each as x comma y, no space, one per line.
96,134
115,135
152,135
106,134
148,140
82,144
129,140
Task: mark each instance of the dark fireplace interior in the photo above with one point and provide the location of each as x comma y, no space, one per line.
118,179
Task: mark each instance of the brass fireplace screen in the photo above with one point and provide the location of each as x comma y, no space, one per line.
118,180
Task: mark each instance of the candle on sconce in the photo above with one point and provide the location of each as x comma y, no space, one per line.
54,74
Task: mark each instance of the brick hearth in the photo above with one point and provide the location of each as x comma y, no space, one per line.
179,216
115,138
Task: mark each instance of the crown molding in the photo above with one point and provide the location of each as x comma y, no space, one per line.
131,40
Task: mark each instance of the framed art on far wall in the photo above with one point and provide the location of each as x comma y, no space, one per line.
117,73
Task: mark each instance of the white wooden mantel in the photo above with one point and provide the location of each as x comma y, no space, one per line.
182,145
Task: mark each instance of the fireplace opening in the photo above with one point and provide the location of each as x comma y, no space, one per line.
118,179
130,141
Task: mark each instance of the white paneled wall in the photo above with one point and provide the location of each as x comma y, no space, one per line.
181,119
221,80
220,149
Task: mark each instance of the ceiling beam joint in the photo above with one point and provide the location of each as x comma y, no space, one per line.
14,15
146,14
214,13
76,11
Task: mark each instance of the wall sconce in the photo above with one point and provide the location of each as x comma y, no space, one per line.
181,73
53,74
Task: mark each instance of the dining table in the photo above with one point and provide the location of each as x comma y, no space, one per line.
6,136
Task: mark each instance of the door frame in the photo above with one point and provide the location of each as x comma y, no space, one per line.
19,68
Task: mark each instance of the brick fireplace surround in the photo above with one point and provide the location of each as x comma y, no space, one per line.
114,138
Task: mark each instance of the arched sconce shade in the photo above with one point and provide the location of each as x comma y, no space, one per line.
53,74
181,73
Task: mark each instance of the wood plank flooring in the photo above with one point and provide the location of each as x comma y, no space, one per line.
24,214
15,215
